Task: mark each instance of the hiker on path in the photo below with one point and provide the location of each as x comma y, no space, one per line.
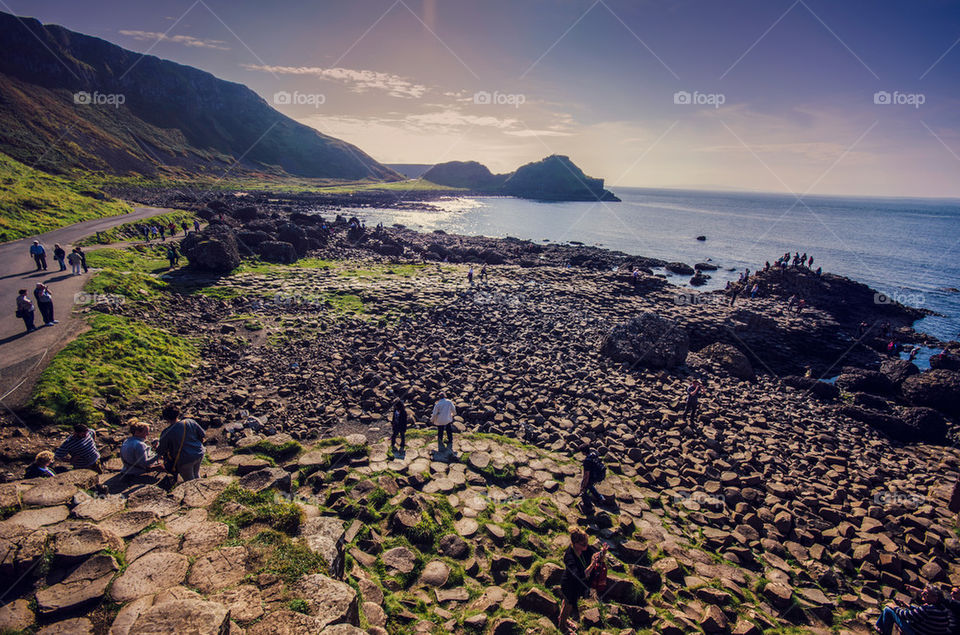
581,564
59,254
45,304
399,423
181,444
75,262
83,258
39,255
196,225
136,455
40,468
929,617
81,448
25,310
185,227
173,256
443,413
692,408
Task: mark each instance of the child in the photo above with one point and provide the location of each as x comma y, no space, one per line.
40,466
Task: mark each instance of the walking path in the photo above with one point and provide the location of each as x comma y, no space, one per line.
24,355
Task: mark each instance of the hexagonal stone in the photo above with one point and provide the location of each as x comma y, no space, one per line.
466,527
245,602
267,478
286,623
154,540
219,569
331,601
129,614
151,573
399,559
84,540
200,492
36,518
435,573
98,508
49,492
75,626
126,524
86,583
151,498
246,463
204,537
186,522
197,617
16,616
325,536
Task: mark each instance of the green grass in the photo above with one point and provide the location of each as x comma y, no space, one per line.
140,258
133,286
285,557
299,606
33,202
130,231
281,452
119,361
238,508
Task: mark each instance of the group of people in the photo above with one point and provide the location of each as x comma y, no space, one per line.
77,258
159,230
42,297
483,274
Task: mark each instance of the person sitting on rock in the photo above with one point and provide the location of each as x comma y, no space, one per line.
930,617
41,465
181,444
81,448
581,562
138,458
399,425
692,408
442,416
594,471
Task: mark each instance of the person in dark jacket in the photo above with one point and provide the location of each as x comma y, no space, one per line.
25,310
83,258
181,443
59,254
45,303
930,617
399,423
40,468
580,560
952,602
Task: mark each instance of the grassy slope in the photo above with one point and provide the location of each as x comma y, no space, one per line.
279,184
33,202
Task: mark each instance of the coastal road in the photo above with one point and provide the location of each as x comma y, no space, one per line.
24,355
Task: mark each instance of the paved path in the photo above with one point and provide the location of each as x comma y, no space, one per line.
23,355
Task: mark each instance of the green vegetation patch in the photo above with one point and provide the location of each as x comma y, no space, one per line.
131,231
140,258
33,202
282,451
118,361
290,559
238,508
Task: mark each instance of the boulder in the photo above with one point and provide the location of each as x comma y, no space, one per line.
729,358
198,617
330,601
862,380
897,370
938,388
325,536
536,601
214,249
945,361
293,234
680,268
647,340
819,389
277,251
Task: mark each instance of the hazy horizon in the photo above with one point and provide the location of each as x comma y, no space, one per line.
794,97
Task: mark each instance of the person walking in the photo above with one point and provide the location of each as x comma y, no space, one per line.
81,449
196,225
83,258
44,304
692,408
173,256
138,457
443,413
59,254
399,425
39,255
75,262
25,310
185,227
581,564
181,444
470,275
594,471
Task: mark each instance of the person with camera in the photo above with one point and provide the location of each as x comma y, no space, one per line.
584,569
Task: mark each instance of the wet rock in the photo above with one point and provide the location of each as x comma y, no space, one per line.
679,268
862,380
938,389
897,370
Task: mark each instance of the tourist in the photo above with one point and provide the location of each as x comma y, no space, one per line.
173,229
929,617
196,224
953,605
862,330
138,458
754,290
801,305
819,272
734,292
44,304
594,471
791,301
581,563
810,263
39,255
185,227
470,275
75,262
442,417
81,448
163,232
399,423
154,232
181,444
692,407
483,273
173,256
83,258
25,310
40,468
59,254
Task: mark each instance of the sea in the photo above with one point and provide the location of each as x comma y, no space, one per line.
907,249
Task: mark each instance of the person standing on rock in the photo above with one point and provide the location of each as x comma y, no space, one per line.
138,458
930,617
483,273
59,254
40,468
81,448
692,408
45,303
443,413
470,275
581,562
399,426
181,444
39,255
734,292
594,471
25,310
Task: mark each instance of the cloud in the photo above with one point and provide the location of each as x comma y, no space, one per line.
186,40
358,80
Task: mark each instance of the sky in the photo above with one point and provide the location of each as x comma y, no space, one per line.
797,96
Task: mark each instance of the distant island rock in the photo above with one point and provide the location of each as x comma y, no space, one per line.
554,178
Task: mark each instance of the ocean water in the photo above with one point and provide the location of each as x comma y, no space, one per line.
908,249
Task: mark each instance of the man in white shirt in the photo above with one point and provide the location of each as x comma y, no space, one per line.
442,417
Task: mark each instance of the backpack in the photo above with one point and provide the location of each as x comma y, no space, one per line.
596,468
